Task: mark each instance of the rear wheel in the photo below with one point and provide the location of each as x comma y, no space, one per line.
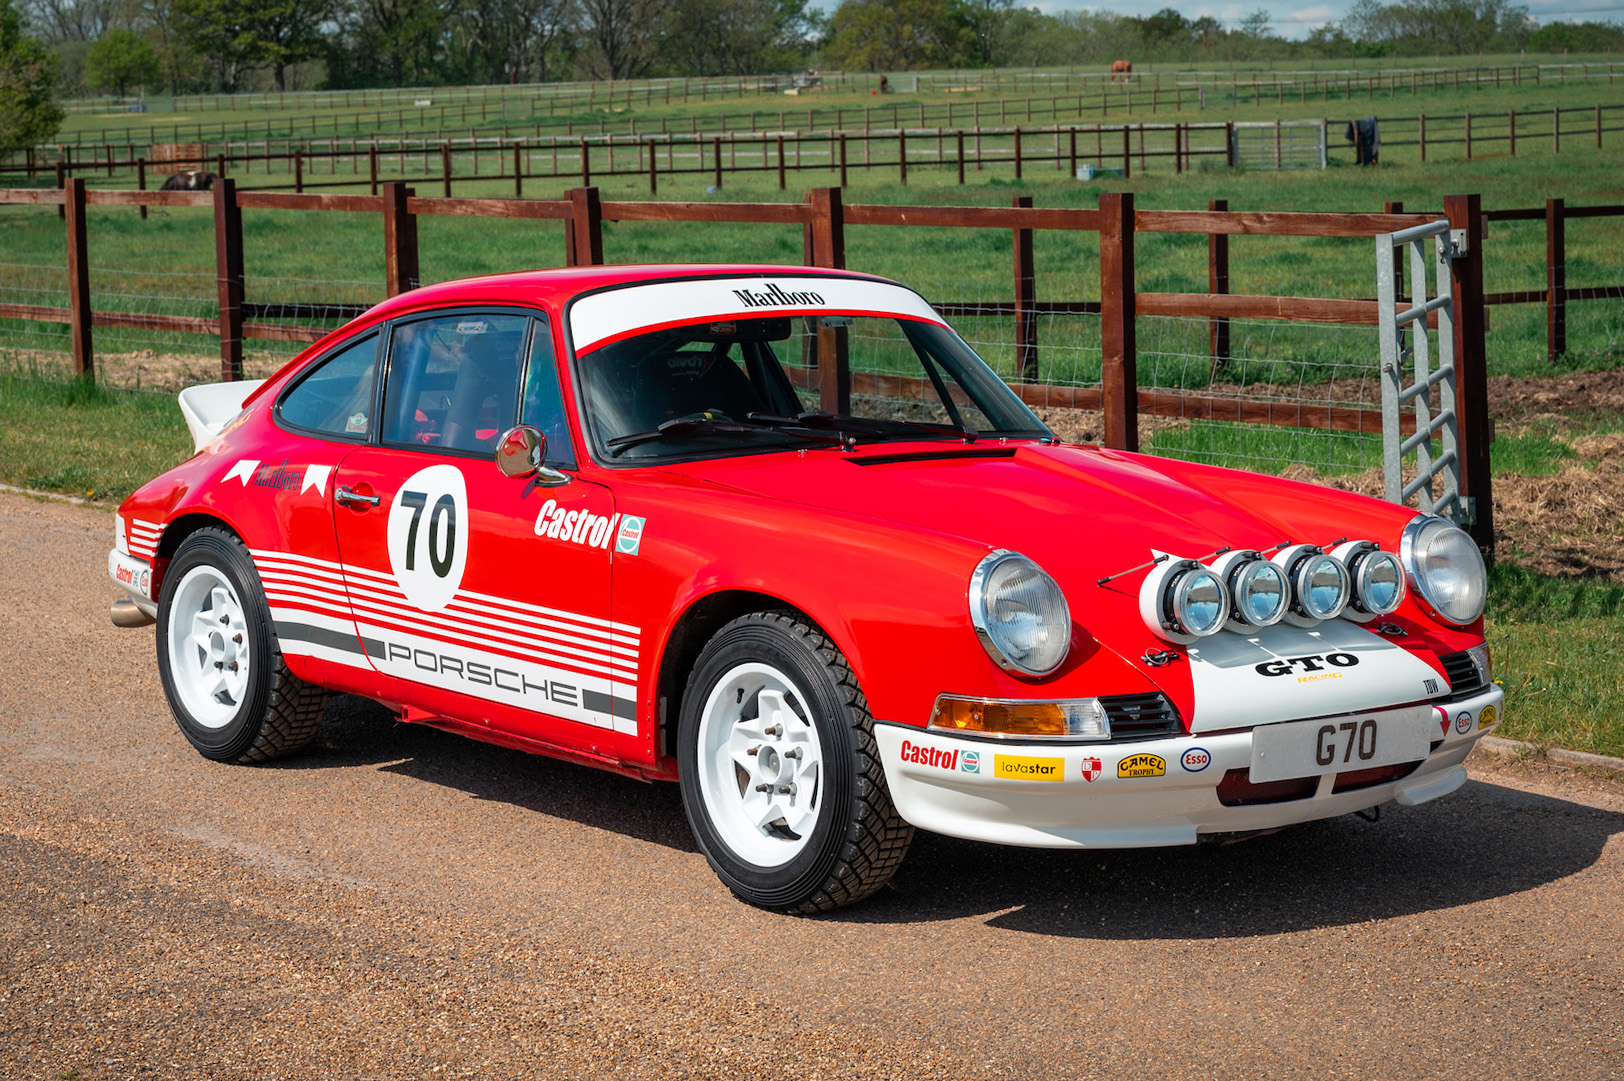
781,777
232,696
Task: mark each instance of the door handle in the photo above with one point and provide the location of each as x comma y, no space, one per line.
351,498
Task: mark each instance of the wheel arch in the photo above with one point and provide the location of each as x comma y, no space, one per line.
176,531
696,626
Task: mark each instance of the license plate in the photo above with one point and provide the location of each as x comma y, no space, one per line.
1341,744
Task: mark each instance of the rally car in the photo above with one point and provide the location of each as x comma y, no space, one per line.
781,536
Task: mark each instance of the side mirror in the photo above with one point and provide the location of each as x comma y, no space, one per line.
522,452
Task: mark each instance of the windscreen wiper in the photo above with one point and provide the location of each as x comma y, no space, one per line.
817,420
711,424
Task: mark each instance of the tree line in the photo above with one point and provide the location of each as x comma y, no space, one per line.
117,46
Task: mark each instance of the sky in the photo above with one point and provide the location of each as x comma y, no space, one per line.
1295,18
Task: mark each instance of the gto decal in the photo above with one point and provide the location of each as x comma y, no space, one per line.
1023,768
1142,765
579,526
1315,662
428,536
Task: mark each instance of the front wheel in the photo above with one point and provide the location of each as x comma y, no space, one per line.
781,777
232,696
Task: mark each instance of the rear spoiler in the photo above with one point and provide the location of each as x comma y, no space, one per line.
208,408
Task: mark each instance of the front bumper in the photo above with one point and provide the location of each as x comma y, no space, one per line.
135,577
1084,803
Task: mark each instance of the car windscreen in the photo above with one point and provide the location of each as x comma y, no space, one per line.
751,383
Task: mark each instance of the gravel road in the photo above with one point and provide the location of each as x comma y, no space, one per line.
400,903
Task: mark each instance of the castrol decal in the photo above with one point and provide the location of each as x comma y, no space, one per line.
576,525
930,756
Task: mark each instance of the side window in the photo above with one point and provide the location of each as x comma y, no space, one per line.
454,380
335,397
544,400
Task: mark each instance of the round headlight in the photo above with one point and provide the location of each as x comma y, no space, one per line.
1321,585
1446,567
1261,593
1319,582
1019,614
1196,602
1378,582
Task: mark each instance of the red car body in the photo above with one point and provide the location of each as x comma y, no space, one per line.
574,627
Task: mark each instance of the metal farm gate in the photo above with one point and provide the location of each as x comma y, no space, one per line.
1409,374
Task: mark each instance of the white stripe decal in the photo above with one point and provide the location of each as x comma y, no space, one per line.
571,649
583,624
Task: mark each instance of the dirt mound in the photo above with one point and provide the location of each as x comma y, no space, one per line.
1569,399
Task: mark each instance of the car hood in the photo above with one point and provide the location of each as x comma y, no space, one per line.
1081,512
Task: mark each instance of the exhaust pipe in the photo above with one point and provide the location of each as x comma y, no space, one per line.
126,613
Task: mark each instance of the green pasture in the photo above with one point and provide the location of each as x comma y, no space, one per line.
1024,103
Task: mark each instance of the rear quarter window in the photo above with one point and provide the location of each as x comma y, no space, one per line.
334,397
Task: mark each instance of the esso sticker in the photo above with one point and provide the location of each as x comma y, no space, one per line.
1196,759
428,536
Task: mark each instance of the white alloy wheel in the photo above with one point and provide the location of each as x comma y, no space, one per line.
760,764
209,647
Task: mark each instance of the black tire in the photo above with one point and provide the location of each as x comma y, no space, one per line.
276,713
858,839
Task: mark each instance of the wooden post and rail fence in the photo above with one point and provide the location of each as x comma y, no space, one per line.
462,158
824,218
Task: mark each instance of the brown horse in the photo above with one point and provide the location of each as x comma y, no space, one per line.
1123,68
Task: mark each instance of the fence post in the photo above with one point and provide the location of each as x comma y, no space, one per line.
228,275
842,159
1026,316
1218,283
1468,136
902,156
445,168
1465,214
1511,132
781,181
62,182
654,167
586,165
1017,153
1556,131
372,168
73,212
1119,378
585,233
298,170
961,158
1556,279
1127,148
1229,144
141,181
829,250
1396,207
399,240
716,161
